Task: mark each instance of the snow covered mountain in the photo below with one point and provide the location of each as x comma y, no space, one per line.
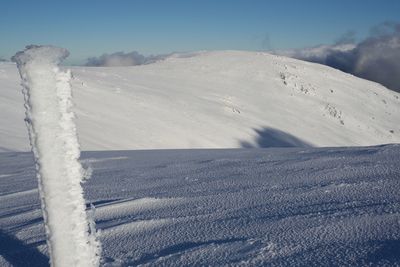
215,100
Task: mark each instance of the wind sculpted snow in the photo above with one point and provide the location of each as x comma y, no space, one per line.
238,207
55,146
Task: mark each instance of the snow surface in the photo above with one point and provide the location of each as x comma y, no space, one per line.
246,207
221,99
52,134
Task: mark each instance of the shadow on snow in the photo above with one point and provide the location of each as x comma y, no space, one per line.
19,254
270,137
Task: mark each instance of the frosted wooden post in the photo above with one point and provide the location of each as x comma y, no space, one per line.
52,132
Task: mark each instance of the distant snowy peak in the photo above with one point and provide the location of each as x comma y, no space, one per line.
217,99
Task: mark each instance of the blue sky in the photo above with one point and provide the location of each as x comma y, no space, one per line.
90,28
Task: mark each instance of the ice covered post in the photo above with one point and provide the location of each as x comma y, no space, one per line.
52,132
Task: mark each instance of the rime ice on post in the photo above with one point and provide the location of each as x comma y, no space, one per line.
52,133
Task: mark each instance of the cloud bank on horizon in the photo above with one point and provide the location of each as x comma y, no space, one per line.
377,58
122,59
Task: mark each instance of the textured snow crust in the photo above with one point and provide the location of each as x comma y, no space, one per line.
256,207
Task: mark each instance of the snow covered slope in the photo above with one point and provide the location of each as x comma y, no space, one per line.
216,100
254,207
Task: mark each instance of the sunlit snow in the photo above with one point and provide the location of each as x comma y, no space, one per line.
215,100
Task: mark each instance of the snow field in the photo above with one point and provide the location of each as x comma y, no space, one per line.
275,207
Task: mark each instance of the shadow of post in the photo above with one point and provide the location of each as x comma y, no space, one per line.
270,137
19,254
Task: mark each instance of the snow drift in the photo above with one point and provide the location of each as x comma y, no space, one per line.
54,142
